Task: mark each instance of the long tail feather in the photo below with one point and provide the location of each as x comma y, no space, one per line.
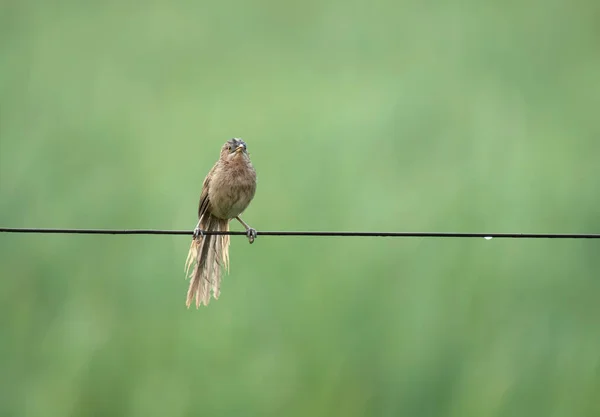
208,254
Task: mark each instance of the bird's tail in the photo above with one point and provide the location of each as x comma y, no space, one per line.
208,255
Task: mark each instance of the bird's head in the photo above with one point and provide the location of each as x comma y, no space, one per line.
234,148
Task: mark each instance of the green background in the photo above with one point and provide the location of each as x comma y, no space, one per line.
399,116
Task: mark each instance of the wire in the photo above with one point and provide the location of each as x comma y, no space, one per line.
276,233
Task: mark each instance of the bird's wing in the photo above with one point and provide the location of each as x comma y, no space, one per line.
204,204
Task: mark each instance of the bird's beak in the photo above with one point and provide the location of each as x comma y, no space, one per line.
240,148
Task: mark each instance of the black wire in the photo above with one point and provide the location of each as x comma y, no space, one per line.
342,234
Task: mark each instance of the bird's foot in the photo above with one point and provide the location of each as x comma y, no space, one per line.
198,232
251,233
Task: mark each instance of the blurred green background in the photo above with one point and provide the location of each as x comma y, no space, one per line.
372,116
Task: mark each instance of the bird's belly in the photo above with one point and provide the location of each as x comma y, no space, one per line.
229,203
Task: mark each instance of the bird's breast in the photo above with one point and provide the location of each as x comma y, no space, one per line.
231,191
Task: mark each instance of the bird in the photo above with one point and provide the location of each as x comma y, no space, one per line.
227,190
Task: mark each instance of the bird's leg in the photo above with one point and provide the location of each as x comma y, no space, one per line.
197,231
250,232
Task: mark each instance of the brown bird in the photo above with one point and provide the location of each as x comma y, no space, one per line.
226,192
